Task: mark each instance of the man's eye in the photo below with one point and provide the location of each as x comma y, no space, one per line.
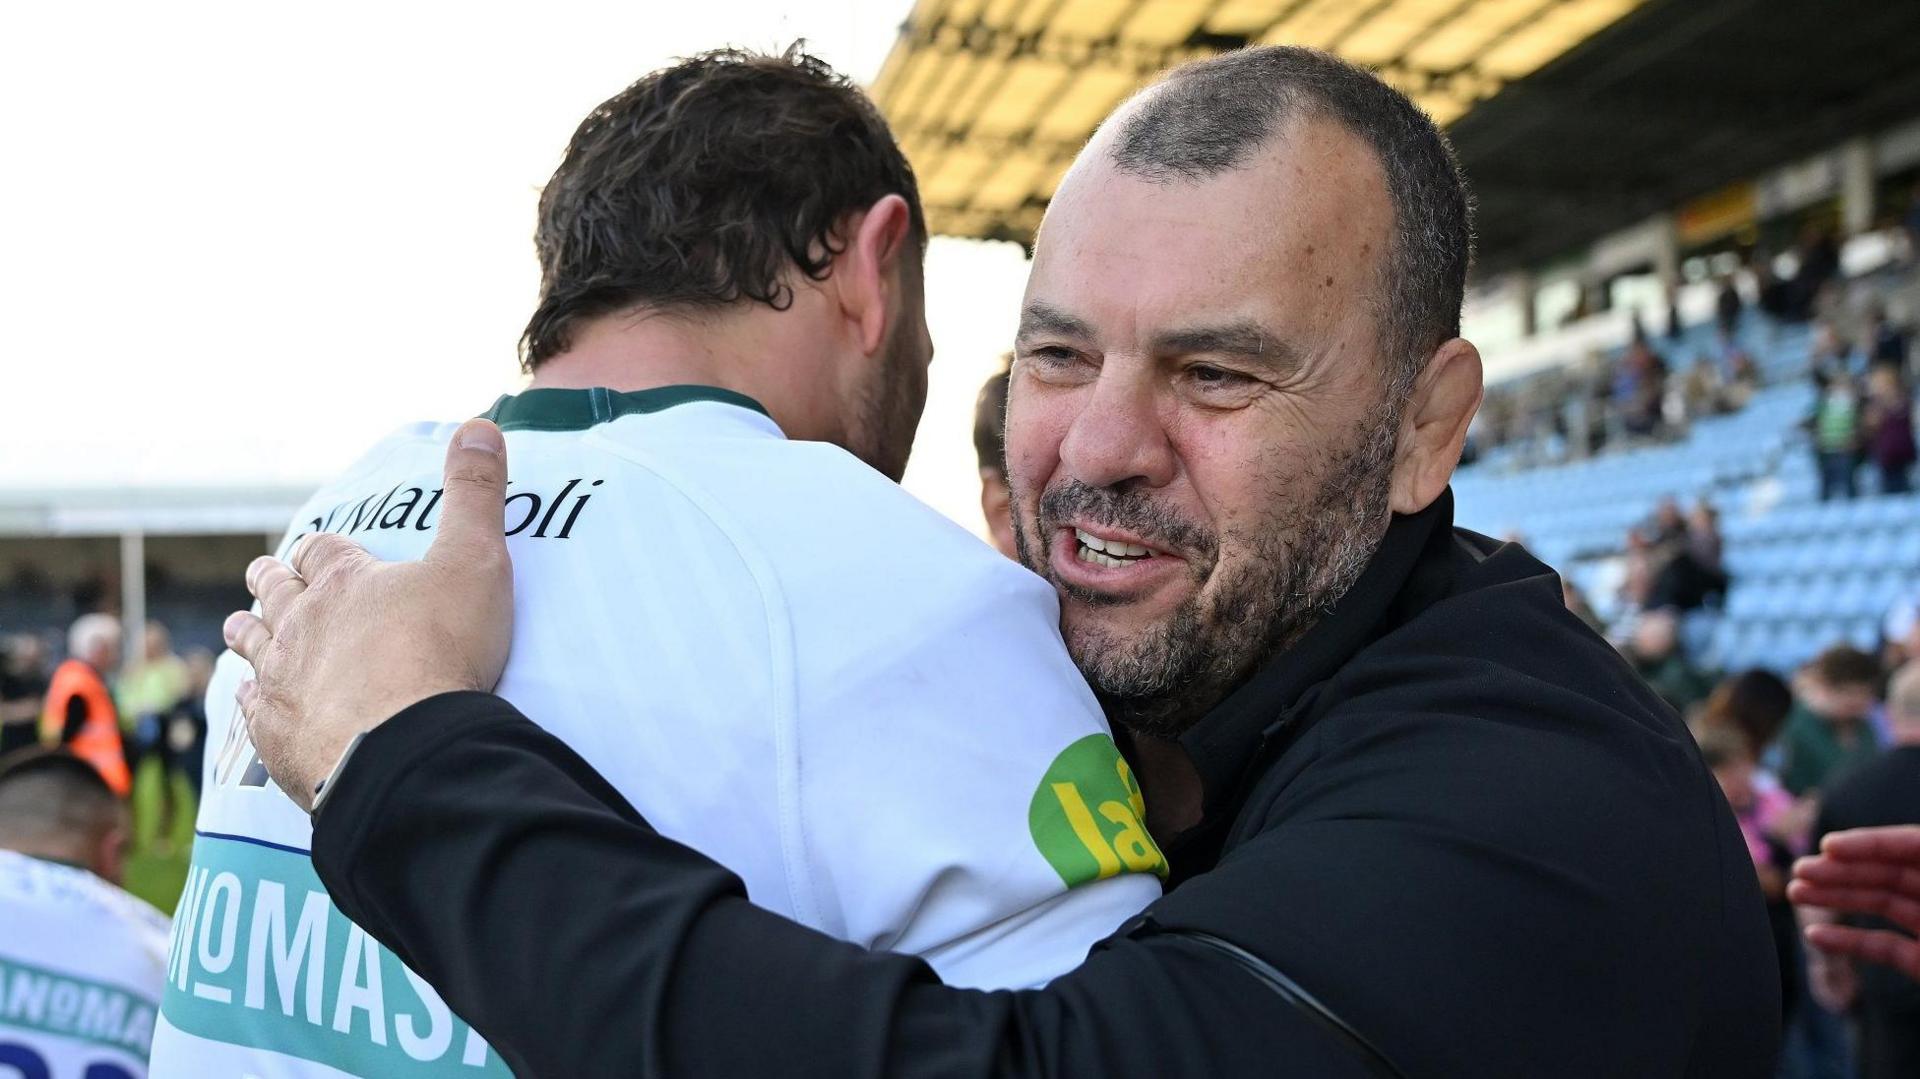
1216,376
1051,354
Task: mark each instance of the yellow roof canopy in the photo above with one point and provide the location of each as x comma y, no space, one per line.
991,99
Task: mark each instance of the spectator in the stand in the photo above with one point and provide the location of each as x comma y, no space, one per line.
1756,703
1831,356
1819,255
1885,342
1641,566
1656,653
1838,435
1760,808
150,692
1701,393
80,712
1728,306
1885,791
989,446
1741,381
1669,522
1830,731
1691,575
1889,424
23,691
1640,388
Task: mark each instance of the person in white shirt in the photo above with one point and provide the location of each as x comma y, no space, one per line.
728,363
81,961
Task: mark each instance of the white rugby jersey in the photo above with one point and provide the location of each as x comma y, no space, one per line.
778,656
81,965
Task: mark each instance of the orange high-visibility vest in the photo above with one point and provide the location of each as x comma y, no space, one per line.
98,740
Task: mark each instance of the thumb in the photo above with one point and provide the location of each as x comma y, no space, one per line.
473,505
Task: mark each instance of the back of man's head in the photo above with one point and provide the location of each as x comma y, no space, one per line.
1213,115
53,805
709,183
1842,683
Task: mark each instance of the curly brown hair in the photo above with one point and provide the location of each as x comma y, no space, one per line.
706,183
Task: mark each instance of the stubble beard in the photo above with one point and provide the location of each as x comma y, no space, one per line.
1305,557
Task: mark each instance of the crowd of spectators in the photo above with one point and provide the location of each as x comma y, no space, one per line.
151,707
1835,745
1837,748
1864,410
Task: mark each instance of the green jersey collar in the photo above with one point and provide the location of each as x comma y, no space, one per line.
578,410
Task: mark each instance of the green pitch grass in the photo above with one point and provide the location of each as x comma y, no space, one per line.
157,867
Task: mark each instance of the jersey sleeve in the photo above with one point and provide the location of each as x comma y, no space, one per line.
962,798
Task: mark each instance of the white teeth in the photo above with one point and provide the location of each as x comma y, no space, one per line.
1106,552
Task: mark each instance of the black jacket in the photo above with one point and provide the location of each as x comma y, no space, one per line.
1450,824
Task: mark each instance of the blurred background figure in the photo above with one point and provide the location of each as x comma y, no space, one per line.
1886,342
1754,703
1878,792
989,445
1656,653
186,733
68,933
23,690
151,692
80,714
1763,810
1830,730
1889,428
1838,431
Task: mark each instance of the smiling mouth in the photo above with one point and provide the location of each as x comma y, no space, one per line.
1107,552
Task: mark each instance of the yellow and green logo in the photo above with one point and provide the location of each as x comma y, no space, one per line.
1087,816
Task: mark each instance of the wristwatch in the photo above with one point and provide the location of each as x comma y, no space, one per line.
325,786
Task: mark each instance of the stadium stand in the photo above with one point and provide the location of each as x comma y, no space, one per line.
1805,573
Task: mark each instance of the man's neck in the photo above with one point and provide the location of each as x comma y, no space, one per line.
742,352
1169,784
57,853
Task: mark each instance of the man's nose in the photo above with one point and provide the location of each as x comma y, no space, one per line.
1119,436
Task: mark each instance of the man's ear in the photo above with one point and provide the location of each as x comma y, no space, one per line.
868,271
1434,426
109,855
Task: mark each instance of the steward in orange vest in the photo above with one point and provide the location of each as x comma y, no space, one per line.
80,716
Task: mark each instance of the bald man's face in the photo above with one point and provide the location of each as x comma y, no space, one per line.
1198,442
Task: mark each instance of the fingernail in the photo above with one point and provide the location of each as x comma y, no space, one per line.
245,693
482,436
230,629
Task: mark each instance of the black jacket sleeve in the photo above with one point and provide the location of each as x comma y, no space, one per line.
506,872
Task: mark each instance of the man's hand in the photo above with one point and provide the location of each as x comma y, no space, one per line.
343,641
1864,871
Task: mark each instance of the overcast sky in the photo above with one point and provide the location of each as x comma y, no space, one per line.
240,241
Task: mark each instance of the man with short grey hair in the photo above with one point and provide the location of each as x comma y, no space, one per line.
1420,819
